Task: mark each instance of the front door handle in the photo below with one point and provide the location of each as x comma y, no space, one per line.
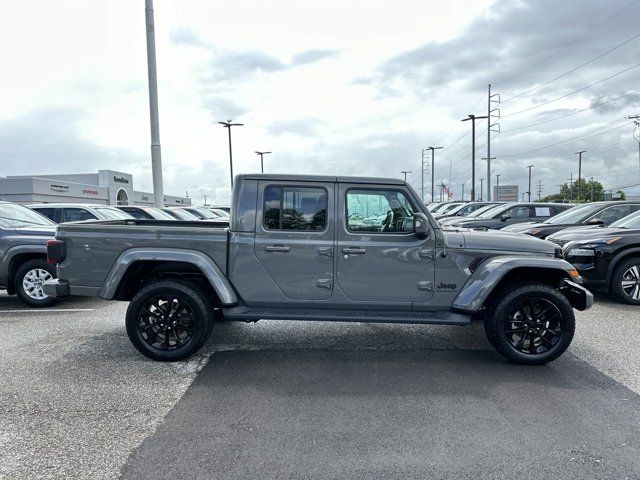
354,250
277,248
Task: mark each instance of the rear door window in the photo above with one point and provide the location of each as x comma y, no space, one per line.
50,213
76,215
295,208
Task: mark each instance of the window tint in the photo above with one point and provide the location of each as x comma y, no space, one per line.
295,208
384,211
50,213
135,213
76,215
612,214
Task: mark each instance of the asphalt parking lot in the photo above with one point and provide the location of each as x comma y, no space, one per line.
313,400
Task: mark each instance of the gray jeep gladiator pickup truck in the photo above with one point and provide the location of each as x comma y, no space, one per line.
321,248
23,254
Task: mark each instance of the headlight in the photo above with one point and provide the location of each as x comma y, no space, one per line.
581,252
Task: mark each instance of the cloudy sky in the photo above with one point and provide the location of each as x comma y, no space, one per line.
331,87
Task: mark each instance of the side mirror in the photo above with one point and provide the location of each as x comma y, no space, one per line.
595,221
420,225
504,217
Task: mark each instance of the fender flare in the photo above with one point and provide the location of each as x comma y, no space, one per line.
489,274
216,278
13,252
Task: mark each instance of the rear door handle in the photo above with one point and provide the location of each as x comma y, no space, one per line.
354,250
277,248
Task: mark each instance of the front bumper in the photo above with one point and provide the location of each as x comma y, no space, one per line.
56,288
579,297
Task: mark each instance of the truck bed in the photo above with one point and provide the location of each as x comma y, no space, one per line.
94,246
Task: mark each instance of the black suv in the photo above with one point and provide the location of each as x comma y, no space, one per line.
608,259
590,214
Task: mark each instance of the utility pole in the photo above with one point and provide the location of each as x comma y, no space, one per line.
462,197
228,126
433,168
579,170
539,189
495,127
591,189
523,197
497,187
405,174
261,160
636,133
481,180
529,191
473,119
571,187
152,74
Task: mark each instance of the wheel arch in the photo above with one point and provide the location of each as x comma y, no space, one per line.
134,268
17,257
494,274
618,258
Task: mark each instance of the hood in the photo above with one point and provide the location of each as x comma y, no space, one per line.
479,222
507,242
41,230
589,233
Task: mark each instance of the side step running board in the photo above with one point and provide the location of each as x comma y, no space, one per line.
444,317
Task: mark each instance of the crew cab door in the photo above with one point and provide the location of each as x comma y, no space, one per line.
295,237
379,258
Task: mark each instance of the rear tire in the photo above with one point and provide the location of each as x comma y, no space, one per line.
170,320
530,324
28,282
625,281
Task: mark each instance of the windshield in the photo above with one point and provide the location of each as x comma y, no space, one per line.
13,215
441,208
451,208
480,211
184,215
573,215
491,213
630,221
158,214
111,213
220,213
204,212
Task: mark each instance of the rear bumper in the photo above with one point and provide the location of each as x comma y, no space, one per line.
579,297
56,288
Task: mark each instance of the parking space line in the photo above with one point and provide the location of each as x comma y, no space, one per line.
38,310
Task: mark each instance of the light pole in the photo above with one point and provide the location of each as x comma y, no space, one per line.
529,191
481,181
497,187
579,170
405,174
473,119
228,126
433,169
152,74
261,160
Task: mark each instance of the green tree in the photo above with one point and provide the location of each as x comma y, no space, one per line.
590,190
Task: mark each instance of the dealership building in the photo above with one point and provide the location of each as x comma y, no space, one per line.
107,187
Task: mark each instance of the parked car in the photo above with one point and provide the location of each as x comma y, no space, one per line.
219,212
448,207
23,258
589,214
453,221
607,258
511,213
182,213
149,213
295,251
464,209
224,208
76,212
435,205
205,214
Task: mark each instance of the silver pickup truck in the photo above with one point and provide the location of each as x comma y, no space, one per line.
321,248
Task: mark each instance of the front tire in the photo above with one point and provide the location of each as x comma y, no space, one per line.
625,281
28,281
530,324
170,320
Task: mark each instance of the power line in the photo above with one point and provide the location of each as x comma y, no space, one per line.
573,69
570,114
589,32
571,93
582,137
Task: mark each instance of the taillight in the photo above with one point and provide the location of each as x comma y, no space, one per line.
56,251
